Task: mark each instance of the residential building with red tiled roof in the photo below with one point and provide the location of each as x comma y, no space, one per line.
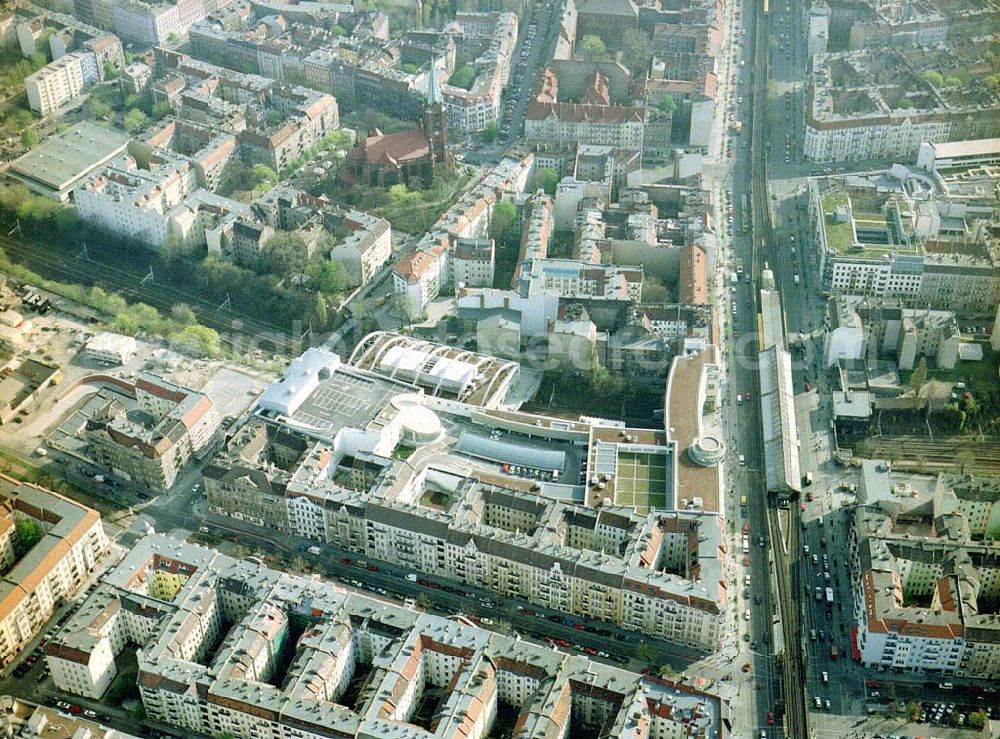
72,543
693,283
924,573
153,431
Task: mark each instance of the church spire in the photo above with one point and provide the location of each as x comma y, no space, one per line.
433,90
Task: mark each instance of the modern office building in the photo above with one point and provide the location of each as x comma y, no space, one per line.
900,234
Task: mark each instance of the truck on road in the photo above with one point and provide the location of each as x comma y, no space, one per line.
829,595
412,577
314,550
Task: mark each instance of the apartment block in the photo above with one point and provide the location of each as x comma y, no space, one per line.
491,39
38,580
605,114
154,23
24,718
366,244
422,275
230,646
875,104
473,262
61,81
924,566
419,277
150,431
568,278
536,231
913,334
159,205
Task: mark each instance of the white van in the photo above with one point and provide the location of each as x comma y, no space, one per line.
743,461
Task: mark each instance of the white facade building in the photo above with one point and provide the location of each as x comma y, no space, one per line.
61,81
114,349
154,206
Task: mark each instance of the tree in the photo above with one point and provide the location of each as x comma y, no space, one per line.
182,314
647,653
263,176
667,105
463,77
29,138
668,672
134,120
197,340
932,77
320,311
919,377
162,109
952,81
27,533
505,224
636,51
110,71
285,252
546,179
913,710
654,291
490,133
977,720
98,109
338,31
399,193
592,47
327,276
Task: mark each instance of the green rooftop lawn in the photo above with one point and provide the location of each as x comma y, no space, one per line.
839,236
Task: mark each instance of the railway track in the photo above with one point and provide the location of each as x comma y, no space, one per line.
239,333
915,453
763,248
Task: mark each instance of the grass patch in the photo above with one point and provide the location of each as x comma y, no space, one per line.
839,235
978,377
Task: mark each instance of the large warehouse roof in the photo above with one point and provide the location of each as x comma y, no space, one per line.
58,164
